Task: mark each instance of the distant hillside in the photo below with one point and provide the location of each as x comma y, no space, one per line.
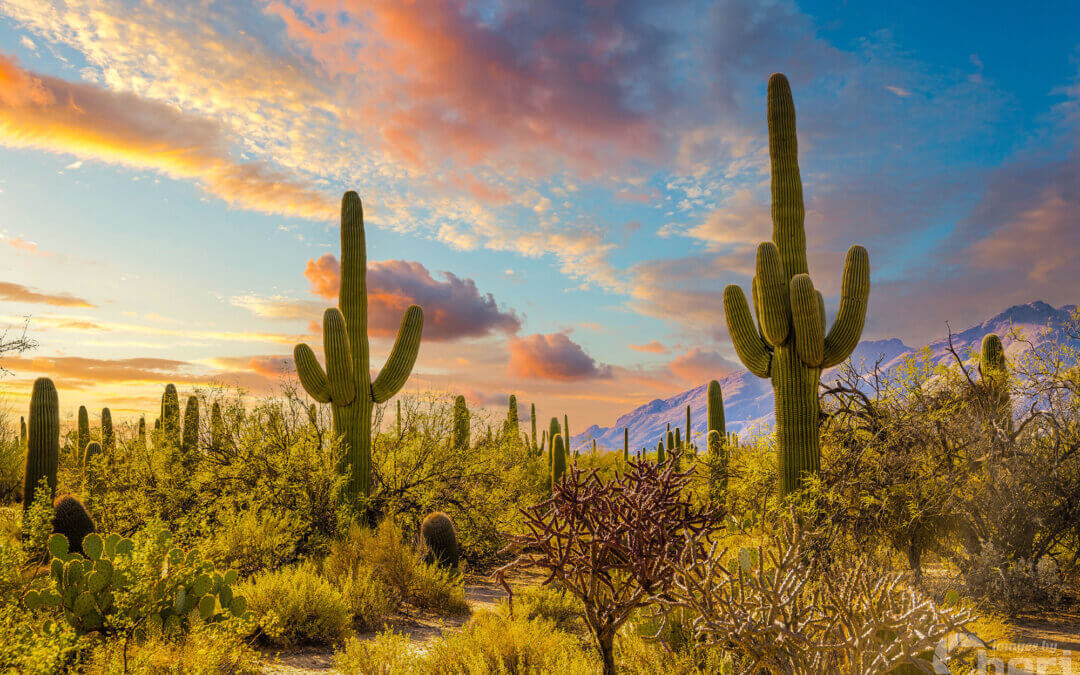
748,400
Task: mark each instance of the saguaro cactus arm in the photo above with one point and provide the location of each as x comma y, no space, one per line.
399,365
339,365
854,291
311,373
749,345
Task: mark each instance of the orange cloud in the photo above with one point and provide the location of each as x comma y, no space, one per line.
46,113
698,365
80,372
453,307
553,357
19,293
653,347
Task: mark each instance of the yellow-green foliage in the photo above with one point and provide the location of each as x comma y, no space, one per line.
551,604
296,605
388,653
253,541
210,649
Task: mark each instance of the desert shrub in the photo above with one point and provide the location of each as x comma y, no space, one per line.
31,645
295,605
208,649
1012,585
551,604
12,463
639,652
370,600
388,653
251,542
399,564
490,643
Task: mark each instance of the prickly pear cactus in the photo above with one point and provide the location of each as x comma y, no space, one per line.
154,588
789,342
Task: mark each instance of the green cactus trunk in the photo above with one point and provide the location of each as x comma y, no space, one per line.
217,427
558,460
108,437
716,440
142,433
170,417
513,429
22,432
189,443
460,439
626,445
660,458
789,343
553,431
42,440
994,373
566,434
532,422
346,383
689,433
83,436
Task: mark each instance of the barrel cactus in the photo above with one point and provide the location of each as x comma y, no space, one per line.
346,383
789,344
440,537
42,440
71,519
460,430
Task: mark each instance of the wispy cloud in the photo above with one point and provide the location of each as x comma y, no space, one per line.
18,293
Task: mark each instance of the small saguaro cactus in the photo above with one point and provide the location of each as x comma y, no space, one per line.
346,383
543,442
42,440
626,444
441,539
71,519
660,453
689,433
189,442
142,432
532,421
558,460
994,372
512,427
83,436
553,431
108,436
460,440
566,433
22,431
789,343
170,416
92,449
217,427
717,443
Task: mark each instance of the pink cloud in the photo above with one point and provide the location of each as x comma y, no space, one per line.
453,307
553,357
698,365
652,347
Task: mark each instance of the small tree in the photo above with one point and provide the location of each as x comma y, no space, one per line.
613,544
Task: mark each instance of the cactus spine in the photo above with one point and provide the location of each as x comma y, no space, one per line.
789,344
170,416
460,440
83,436
42,440
346,383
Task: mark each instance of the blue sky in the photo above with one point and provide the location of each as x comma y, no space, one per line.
589,177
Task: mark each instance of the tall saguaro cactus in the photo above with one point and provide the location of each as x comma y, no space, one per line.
42,440
716,440
789,343
170,416
346,383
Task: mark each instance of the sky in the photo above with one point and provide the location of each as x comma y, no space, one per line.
565,186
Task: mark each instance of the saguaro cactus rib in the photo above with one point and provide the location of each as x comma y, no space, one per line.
789,343
346,382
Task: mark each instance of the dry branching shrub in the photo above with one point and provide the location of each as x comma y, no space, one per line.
776,609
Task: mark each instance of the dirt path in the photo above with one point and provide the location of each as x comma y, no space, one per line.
422,628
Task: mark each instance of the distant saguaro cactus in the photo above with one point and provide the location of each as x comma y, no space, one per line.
532,421
717,441
512,428
558,460
346,383
42,440
142,432
108,436
994,372
189,443
22,431
789,344
626,445
566,433
170,416
460,439
217,427
83,434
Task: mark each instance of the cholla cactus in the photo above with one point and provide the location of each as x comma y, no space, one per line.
42,440
789,343
346,383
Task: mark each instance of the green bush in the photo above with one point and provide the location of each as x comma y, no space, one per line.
490,643
388,653
252,542
552,604
295,605
209,649
369,599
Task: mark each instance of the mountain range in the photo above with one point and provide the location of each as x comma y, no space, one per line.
748,400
